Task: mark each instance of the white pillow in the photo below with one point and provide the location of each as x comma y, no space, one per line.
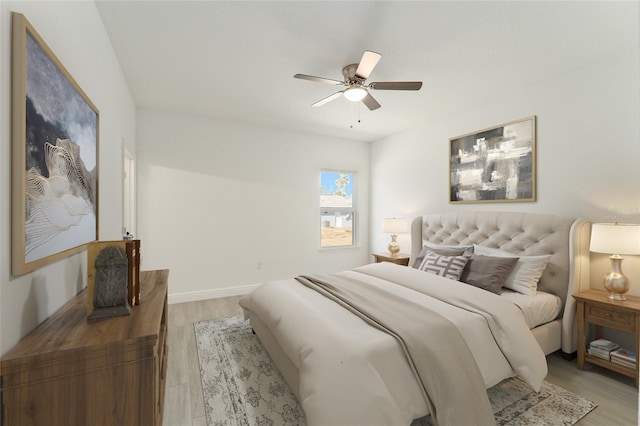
525,275
447,246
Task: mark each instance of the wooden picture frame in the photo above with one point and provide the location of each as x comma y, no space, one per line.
55,141
497,164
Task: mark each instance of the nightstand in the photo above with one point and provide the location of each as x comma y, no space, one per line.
595,308
400,259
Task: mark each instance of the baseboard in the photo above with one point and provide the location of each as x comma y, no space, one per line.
210,294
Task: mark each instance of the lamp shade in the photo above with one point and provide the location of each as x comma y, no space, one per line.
615,238
394,226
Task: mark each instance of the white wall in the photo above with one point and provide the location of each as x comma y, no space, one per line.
75,33
216,198
588,152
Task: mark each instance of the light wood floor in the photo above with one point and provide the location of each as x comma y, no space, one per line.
616,396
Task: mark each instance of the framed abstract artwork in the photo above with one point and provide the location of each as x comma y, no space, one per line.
55,132
497,164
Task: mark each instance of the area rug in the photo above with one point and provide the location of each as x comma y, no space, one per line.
242,386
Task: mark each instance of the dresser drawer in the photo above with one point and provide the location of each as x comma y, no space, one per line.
602,315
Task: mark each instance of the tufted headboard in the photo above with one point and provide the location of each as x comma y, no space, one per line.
565,239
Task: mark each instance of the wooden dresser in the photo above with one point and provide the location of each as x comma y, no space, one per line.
72,372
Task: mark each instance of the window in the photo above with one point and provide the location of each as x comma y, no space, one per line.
337,209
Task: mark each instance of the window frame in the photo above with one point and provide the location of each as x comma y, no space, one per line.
353,210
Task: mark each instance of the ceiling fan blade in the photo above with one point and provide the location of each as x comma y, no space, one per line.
367,64
370,102
396,85
319,79
328,99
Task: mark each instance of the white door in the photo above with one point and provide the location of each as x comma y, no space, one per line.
129,194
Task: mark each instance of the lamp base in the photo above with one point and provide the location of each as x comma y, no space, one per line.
393,246
616,283
617,296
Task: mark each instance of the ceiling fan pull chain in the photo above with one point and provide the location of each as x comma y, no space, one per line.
351,115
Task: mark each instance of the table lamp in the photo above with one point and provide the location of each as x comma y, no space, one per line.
615,239
394,226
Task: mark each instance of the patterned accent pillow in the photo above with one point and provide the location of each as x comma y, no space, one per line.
443,250
445,266
487,272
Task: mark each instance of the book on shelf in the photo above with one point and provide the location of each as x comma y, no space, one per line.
624,355
623,363
604,344
599,353
602,348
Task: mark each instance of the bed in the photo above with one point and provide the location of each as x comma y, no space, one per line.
344,371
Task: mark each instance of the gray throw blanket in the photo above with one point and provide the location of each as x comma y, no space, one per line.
436,351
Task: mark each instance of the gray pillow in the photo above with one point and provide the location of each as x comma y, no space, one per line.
488,272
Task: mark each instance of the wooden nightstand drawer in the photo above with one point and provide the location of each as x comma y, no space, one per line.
608,317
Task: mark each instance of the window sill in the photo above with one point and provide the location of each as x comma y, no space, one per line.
339,248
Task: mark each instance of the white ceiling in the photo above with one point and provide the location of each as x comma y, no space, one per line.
235,60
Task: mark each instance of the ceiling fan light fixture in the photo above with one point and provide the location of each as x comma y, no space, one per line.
355,93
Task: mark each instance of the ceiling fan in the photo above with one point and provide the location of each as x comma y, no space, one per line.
355,76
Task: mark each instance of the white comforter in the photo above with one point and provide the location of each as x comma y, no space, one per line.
353,374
